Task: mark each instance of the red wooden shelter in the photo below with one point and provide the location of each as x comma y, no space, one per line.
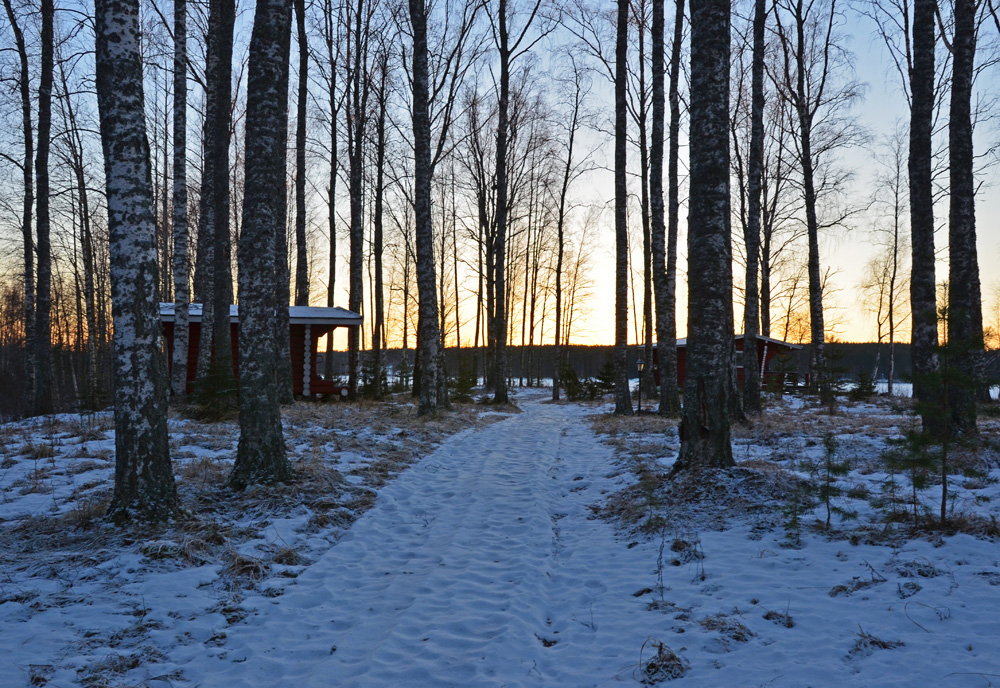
306,324
774,357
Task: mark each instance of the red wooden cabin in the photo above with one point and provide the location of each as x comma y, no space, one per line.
772,357
306,325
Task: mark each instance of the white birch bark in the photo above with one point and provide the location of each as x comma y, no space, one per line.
144,481
705,437
261,456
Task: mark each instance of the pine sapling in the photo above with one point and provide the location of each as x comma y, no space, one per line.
832,469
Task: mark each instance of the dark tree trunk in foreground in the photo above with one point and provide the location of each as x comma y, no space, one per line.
261,456
755,171
28,239
427,338
181,261
965,314
144,480
623,401
705,423
923,294
301,257
43,308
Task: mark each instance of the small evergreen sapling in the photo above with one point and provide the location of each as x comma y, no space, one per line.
606,376
461,385
832,469
913,454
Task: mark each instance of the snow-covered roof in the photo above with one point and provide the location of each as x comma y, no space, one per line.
301,315
770,340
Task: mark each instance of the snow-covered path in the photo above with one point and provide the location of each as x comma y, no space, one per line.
479,566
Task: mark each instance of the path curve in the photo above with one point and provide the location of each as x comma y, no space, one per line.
479,566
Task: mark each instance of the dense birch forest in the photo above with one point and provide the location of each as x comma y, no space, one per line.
462,173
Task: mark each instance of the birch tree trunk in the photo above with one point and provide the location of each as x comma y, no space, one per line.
282,299
667,342
261,457
499,280
567,175
646,379
704,431
144,480
282,271
623,401
222,291
301,257
965,313
358,85
43,307
76,162
27,208
426,278
181,259
923,288
751,242
378,366
331,38
217,385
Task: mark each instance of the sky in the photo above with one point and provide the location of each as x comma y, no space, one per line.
845,252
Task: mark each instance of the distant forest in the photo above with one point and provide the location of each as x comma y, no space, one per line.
847,359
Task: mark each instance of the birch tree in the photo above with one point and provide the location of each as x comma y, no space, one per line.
428,334
751,239
666,334
27,206
965,314
43,247
302,95
213,270
331,26
814,79
571,169
623,401
511,43
181,260
704,431
261,456
144,480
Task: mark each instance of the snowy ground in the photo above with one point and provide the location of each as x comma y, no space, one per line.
484,563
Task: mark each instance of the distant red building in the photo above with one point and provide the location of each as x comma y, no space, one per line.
306,325
774,357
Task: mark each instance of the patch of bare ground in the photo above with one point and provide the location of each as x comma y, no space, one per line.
704,499
645,423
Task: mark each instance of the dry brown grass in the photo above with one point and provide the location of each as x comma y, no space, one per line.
217,525
728,627
243,571
612,425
